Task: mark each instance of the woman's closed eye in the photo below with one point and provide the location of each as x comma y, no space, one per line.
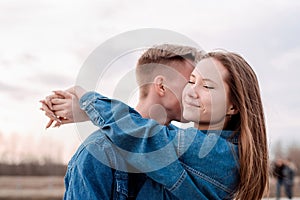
208,87
205,86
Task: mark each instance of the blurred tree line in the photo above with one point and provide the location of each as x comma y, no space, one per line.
32,169
27,155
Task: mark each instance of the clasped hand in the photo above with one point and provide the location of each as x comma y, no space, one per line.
62,107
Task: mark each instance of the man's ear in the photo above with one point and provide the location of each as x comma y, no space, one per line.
159,85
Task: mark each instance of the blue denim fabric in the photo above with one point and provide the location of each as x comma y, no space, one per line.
89,178
91,172
179,163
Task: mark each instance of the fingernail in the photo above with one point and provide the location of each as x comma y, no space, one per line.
58,120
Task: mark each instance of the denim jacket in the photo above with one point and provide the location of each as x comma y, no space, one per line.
180,163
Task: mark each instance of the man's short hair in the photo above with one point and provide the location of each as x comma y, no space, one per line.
158,57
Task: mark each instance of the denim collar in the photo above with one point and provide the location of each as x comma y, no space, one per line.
231,136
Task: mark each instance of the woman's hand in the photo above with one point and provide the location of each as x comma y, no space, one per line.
47,106
68,108
63,107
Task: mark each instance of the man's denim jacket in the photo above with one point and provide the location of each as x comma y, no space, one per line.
179,163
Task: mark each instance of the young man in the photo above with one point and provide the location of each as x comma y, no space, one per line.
96,172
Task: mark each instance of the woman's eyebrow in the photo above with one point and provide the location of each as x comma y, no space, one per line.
208,80
192,76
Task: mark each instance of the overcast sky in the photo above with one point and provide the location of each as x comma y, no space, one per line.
44,44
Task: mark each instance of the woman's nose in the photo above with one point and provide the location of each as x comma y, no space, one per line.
192,92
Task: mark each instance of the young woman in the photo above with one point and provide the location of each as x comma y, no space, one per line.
225,158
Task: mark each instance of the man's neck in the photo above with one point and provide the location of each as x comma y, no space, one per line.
153,110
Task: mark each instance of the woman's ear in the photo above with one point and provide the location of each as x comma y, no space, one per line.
159,85
232,110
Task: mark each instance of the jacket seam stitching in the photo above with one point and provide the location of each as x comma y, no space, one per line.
93,112
179,181
207,178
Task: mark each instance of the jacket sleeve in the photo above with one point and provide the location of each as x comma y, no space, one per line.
146,145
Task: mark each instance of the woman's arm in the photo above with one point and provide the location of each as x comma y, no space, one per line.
146,145
62,107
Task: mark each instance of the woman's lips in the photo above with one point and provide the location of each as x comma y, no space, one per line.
191,103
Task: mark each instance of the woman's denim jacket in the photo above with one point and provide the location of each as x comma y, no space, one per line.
181,163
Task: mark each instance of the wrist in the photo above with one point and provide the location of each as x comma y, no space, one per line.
79,91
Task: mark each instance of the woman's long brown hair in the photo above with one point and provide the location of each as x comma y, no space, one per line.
249,122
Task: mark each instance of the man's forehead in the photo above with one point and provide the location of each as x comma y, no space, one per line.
183,66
